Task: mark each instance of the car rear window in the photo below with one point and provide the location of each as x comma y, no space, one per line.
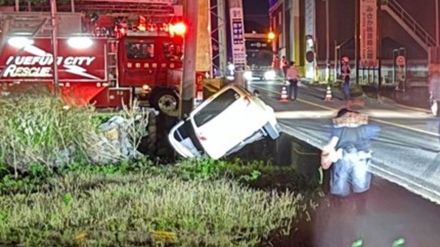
216,106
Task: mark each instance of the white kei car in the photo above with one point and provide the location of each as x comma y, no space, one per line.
223,124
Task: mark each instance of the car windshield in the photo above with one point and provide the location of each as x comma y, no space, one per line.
139,50
216,106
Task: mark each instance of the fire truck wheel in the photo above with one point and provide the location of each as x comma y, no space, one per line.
167,102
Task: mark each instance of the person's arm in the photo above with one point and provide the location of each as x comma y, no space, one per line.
329,153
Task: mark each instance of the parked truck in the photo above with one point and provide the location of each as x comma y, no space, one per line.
113,60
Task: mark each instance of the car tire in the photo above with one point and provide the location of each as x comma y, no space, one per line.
271,130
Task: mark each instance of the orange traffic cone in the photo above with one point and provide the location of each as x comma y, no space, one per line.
284,97
328,94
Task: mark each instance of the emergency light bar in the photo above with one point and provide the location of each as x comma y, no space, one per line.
20,42
80,42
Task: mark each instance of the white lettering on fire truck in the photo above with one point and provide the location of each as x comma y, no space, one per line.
39,64
47,60
15,71
20,66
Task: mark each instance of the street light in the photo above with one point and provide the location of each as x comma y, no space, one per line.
271,36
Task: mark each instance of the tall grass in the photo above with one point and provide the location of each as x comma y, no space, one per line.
39,129
142,209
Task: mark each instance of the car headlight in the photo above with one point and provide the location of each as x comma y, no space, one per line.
270,75
247,75
230,77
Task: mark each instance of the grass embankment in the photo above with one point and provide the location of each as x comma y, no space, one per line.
131,202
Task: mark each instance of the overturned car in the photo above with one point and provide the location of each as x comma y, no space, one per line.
223,124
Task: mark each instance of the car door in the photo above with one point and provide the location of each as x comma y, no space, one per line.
226,121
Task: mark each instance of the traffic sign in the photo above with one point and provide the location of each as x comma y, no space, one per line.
400,60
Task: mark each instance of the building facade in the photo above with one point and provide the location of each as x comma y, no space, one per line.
317,33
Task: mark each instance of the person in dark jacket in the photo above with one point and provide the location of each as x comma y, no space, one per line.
351,155
345,71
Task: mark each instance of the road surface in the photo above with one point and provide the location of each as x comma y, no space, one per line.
407,152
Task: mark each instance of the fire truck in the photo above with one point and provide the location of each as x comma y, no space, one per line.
106,59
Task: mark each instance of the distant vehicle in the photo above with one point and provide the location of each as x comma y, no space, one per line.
223,124
259,56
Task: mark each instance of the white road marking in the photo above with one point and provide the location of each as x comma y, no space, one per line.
375,114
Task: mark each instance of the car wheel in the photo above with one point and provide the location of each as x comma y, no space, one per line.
167,102
271,130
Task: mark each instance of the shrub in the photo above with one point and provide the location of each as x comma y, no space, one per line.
141,209
41,130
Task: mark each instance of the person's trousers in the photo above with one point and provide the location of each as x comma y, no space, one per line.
346,89
293,89
350,174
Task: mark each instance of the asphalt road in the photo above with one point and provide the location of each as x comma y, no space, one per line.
407,151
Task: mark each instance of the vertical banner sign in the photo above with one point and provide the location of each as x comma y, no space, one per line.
310,24
237,33
368,33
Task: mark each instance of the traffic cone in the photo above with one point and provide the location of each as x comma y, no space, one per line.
328,94
284,97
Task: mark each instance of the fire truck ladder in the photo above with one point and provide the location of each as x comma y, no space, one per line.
112,62
112,71
32,23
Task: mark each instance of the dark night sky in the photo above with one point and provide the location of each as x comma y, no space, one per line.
256,14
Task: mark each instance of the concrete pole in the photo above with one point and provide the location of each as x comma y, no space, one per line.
17,5
327,38
337,47
72,6
437,31
53,15
187,88
221,22
356,39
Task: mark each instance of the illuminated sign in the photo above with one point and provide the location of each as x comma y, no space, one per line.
237,33
35,62
368,33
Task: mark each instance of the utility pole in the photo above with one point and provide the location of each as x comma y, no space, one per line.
218,36
187,89
327,37
337,47
437,31
356,39
53,16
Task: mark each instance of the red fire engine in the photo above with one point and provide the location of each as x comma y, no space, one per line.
119,58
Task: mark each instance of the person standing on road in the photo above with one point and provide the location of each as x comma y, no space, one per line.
276,63
284,65
292,76
434,88
345,71
348,153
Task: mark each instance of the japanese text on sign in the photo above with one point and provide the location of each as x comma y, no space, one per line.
368,33
237,36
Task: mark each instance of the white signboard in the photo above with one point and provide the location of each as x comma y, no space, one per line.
368,33
237,33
